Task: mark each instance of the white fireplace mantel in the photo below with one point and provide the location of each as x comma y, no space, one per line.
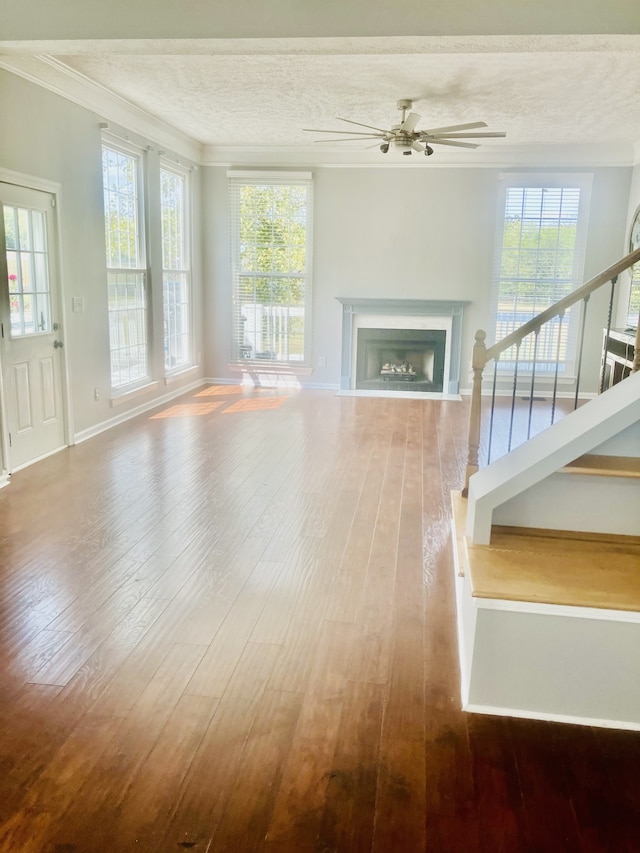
419,308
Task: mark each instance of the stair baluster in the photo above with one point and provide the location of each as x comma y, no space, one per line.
483,354
583,321
493,407
513,393
555,374
533,380
606,337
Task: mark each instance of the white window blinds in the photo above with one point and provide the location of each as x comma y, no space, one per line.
126,265
271,241
539,260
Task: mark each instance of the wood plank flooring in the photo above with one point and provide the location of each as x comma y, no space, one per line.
228,625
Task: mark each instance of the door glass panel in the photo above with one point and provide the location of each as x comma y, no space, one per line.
27,276
37,223
27,263
12,264
10,227
27,315
24,232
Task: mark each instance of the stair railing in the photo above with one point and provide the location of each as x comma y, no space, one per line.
482,355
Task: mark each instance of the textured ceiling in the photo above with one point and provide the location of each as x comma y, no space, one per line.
566,90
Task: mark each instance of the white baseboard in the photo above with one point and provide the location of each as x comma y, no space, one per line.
321,386
103,426
551,718
281,381
403,395
215,380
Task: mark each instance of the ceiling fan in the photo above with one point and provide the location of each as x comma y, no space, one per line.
406,138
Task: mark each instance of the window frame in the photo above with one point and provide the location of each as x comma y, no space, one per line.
121,146
184,173
531,180
38,272
235,180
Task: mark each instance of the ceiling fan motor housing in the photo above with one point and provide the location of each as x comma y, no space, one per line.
403,142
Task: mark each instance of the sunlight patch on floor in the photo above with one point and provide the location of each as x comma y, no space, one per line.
188,410
252,405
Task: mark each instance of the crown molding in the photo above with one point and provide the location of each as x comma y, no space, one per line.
326,46
489,156
51,74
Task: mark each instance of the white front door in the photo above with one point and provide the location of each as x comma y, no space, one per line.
31,342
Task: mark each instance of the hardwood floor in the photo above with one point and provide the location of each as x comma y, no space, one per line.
228,625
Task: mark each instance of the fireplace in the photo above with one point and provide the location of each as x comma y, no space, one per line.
400,359
401,346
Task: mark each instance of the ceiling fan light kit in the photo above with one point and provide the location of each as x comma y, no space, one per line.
405,138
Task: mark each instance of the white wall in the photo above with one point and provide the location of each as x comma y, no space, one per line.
45,136
406,232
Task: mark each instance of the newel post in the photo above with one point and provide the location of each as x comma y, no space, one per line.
478,362
636,354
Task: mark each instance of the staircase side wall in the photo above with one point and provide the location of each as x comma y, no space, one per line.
625,443
556,667
576,502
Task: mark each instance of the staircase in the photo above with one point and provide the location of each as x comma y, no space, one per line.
547,554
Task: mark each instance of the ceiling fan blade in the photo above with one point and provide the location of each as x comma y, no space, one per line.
409,124
418,147
359,123
497,133
453,142
454,127
347,132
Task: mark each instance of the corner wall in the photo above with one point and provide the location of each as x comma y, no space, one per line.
45,136
421,232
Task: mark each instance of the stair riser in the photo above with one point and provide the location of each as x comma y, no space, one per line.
576,502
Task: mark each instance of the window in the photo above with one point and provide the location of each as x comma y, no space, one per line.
540,259
271,265
29,296
176,284
126,266
633,313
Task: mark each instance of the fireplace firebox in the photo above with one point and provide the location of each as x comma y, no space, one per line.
400,359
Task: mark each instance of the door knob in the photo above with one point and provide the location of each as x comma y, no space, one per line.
58,344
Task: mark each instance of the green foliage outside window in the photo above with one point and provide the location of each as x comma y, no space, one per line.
271,274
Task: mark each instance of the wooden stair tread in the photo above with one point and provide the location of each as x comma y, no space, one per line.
532,566
579,578
604,466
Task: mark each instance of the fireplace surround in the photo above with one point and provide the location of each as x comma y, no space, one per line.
379,333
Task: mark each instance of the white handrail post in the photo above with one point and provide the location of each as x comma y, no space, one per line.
478,361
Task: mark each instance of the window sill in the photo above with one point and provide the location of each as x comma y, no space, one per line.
249,366
139,391
185,372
